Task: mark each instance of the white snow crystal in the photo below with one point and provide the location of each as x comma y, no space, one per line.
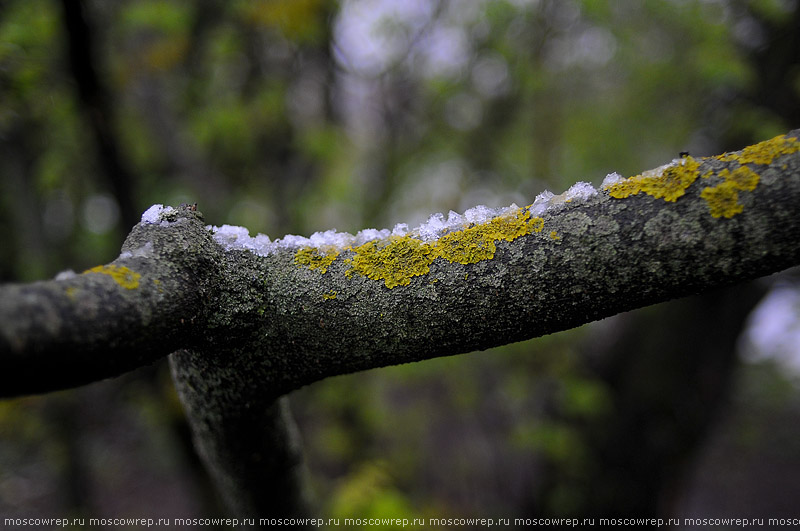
368,235
151,214
541,203
612,179
401,229
456,221
154,213
291,241
261,244
433,228
580,191
65,275
231,234
480,214
331,238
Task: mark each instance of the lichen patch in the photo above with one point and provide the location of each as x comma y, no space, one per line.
397,259
668,182
123,276
723,200
671,181
316,257
763,152
395,262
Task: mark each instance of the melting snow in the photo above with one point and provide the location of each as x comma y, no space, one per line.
66,275
238,238
541,203
580,191
612,179
232,237
577,192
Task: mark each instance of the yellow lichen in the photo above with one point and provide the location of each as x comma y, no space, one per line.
668,183
398,259
742,178
763,152
122,275
397,264
394,261
329,296
554,235
477,243
315,258
723,200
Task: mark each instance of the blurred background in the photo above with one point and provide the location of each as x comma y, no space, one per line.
292,116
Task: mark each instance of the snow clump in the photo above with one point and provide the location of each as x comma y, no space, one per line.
153,214
612,179
580,191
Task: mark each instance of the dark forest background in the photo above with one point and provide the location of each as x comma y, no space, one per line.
293,116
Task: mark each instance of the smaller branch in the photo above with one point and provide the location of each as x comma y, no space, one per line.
110,319
251,448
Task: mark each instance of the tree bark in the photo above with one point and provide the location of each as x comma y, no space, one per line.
147,303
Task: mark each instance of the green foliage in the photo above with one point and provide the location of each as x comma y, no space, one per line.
368,493
297,20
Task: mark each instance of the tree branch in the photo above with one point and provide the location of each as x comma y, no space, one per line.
110,319
283,321
590,259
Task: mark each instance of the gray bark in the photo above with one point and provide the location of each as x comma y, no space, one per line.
64,333
249,329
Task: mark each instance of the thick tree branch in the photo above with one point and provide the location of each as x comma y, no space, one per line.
591,259
283,324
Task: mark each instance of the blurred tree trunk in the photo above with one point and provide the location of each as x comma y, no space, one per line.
96,101
668,371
